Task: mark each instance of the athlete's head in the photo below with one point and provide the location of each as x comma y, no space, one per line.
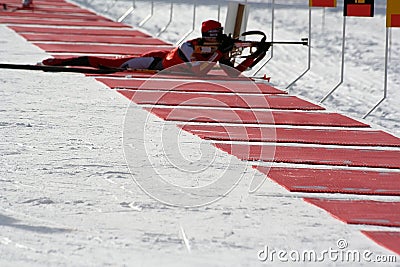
211,29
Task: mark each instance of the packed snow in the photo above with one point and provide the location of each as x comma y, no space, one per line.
68,197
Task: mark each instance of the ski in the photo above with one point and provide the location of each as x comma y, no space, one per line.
88,70
60,68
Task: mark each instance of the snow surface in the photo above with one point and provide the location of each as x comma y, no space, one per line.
67,195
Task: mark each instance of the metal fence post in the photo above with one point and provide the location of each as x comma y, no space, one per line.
386,76
148,16
191,30
128,12
110,6
342,68
169,22
272,38
309,51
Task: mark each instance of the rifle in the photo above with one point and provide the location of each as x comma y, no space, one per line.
240,46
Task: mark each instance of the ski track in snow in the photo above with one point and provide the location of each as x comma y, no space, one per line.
67,196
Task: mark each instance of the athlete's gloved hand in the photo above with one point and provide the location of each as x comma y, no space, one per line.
262,48
226,45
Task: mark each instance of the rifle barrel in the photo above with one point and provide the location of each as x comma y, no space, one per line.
302,42
254,43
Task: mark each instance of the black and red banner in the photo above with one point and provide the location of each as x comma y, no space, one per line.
359,8
322,3
393,13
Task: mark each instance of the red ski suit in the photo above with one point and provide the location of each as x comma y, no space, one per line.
196,62
168,58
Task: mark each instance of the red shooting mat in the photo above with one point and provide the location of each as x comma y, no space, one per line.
213,75
44,6
15,8
69,15
389,240
192,86
361,211
35,37
79,31
60,22
42,2
316,155
294,135
257,117
218,100
100,49
335,181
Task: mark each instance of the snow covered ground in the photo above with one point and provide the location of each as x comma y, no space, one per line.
67,195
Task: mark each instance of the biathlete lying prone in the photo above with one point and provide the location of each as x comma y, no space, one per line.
214,46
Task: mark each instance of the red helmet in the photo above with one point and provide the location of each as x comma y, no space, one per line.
211,28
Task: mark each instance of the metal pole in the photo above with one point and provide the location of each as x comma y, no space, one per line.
390,43
219,12
193,27
110,6
148,16
272,38
169,22
128,12
386,76
309,51
342,68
